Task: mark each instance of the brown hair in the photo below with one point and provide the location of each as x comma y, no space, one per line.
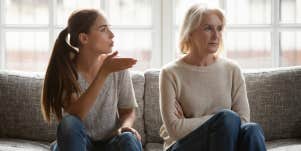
61,75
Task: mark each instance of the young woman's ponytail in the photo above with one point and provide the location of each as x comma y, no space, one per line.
60,79
61,75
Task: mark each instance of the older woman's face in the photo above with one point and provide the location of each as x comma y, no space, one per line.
208,36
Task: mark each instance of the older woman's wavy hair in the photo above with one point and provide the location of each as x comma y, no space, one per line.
192,21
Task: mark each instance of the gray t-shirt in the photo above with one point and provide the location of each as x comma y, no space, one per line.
117,92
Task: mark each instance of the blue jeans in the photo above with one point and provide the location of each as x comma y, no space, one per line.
223,132
71,136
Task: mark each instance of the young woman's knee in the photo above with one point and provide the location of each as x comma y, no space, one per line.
70,124
128,139
128,136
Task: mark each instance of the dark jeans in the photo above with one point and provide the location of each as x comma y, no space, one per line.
223,132
71,136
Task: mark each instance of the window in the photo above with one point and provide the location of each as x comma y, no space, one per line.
259,33
23,34
30,27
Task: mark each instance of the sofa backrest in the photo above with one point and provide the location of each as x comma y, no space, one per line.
152,115
20,113
138,83
275,101
274,97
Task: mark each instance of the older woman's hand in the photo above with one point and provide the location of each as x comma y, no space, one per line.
179,111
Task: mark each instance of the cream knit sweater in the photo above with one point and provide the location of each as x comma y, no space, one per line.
201,92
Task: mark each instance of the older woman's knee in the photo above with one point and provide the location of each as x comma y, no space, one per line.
251,129
229,118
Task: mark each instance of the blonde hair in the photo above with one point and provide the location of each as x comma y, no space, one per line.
192,21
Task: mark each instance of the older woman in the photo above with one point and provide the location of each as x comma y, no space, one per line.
203,98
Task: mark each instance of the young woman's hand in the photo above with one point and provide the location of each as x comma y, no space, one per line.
112,63
179,111
128,129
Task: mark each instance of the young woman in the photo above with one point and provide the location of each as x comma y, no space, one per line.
89,90
203,98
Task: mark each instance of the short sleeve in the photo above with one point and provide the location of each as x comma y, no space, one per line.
126,94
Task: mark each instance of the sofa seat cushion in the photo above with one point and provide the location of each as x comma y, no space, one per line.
276,145
22,145
284,145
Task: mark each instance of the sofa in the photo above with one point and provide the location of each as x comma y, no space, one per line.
274,97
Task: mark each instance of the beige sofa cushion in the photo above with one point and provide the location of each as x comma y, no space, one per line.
20,113
152,115
138,83
275,101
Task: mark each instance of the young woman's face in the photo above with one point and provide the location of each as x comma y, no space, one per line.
208,36
100,37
